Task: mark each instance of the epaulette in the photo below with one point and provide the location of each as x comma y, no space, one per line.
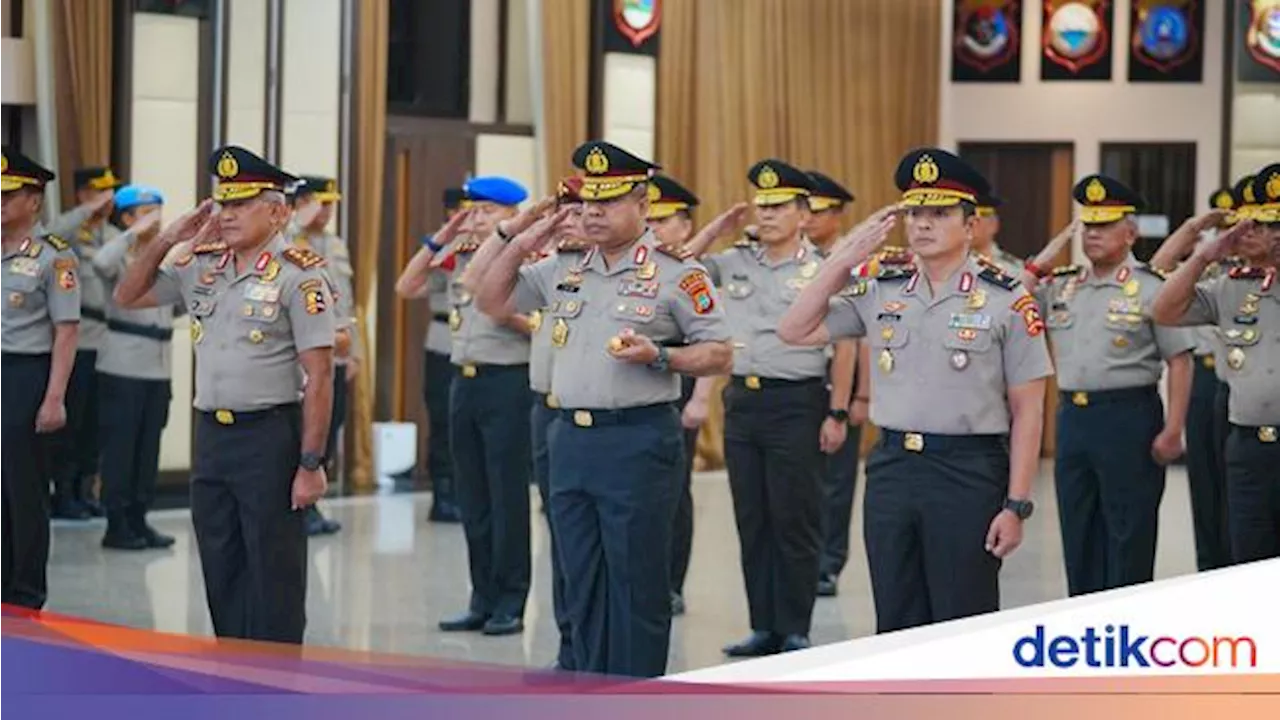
1062,270
857,287
1232,261
57,243
895,256
745,243
207,248
468,246
570,245
901,272
678,253
1154,271
998,278
1246,273
303,257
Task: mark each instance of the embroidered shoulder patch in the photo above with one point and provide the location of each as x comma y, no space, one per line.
1029,309
697,286
303,258
856,288
56,242
1246,273
1154,271
209,248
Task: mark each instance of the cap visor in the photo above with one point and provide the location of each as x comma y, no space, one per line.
9,184
779,196
105,183
1103,215
241,191
660,210
818,204
593,191
327,196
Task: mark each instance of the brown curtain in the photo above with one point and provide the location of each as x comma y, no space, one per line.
566,58
841,86
370,139
83,57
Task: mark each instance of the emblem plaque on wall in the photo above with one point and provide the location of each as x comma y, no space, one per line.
1258,41
1076,40
1165,43
986,41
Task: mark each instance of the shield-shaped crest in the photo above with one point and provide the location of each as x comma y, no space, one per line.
637,20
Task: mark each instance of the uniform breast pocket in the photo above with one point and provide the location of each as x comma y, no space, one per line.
965,345
201,307
1242,353
1126,331
739,289
633,311
1060,318
23,292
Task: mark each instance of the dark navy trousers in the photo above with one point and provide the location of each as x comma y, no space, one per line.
1109,487
1206,470
682,532
133,413
490,441
72,453
541,417
26,488
1253,492
613,495
437,381
839,482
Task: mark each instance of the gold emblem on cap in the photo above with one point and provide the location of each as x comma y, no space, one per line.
926,171
1273,187
655,193
4,163
1095,191
767,178
1222,201
227,166
597,163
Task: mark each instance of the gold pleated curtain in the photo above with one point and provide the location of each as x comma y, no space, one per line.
83,78
841,86
370,140
566,66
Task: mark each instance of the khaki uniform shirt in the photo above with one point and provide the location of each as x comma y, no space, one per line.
439,338
86,242
138,342
943,361
656,291
477,338
41,286
1101,328
248,328
1245,306
757,292
338,265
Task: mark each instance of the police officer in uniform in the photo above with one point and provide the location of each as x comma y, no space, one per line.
1245,306
616,450
263,327
74,451
489,431
775,413
1114,436
958,391
38,344
985,231
134,371
314,201
827,202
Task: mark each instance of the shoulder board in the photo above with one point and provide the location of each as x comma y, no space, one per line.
1154,271
56,242
305,259
678,253
1065,270
856,288
901,272
895,256
570,245
994,276
468,246
209,247
1232,261
1246,273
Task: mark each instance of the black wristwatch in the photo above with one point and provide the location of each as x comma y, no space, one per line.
838,414
663,361
503,236
311,461
1021,508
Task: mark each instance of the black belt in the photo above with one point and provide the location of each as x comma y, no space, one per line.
147,331
929,442
621,416
14,358
240,417
92,313
1266,434
470,370
755,382
1085,398
440,317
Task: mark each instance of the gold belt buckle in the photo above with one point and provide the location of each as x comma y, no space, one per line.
553,402
913,442
753,382
1268,434
468,371
1210,362
224,417
1080,399
582,418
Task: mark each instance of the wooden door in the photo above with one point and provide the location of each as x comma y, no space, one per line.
1035,181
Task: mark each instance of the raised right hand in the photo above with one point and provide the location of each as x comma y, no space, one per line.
189,225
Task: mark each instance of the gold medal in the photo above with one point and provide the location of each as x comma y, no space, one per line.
808,270
977,299
268,311
1131,288
1235,358
886,333
535,321
256,336
197,331
1250,307
248,310
959,359
1249,335
1120,341
455,320
885,362
647,271
16,299
560,333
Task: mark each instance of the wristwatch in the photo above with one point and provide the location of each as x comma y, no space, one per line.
1021,508
310,461
663,361
838,414
502,234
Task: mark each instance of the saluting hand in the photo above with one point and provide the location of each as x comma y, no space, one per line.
146,224
197,221
859,243
445,236
521,222
1221,246
634,348
1005,534
308,487
539,234
728,219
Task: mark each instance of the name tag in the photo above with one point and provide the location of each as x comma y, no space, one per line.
888,317
25,266
973,321
638,288
262,292
798,283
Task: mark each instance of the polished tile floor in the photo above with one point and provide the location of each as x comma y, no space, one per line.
384,581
